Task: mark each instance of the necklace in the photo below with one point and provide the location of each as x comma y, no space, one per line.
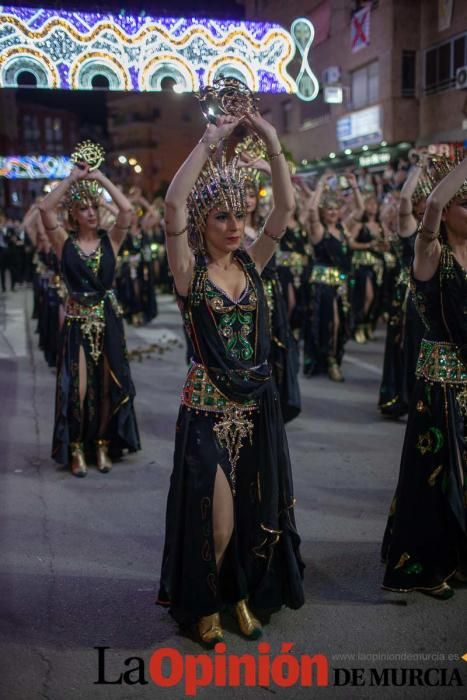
92,260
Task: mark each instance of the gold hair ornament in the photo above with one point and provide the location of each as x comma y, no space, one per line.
90,153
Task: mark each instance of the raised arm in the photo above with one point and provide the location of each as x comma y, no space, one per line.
32,222
407,221
179,254
427,245
316,228
122,223
282,191
48,208
358,208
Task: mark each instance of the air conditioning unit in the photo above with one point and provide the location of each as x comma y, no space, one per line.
331,75
461,78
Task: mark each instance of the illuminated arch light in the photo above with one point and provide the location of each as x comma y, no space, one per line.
90,65
68,38
20,59
168,66
234,67
307,84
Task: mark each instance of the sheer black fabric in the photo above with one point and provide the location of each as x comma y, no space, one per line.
263,561
89,289
425,540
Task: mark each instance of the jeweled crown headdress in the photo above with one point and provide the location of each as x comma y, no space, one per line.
82,191
85,190
220,184
423,189
442,166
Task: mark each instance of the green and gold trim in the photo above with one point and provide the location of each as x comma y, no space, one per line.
441,362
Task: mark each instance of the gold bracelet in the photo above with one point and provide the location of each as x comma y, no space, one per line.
276,239
169,234
271,156
425,234
211,146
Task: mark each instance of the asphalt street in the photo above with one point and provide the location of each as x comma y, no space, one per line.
80,558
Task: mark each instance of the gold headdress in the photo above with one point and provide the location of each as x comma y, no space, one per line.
85,191
441,166
88,191
423,189
220,184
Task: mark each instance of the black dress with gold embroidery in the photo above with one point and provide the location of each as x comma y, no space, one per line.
293,260
230,418
136,282
403,338
284,356
426,535
368,265
93,322
329,284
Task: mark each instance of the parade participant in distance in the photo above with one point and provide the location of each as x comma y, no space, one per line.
94,401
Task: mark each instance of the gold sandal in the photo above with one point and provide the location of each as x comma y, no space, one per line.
250,627
78,464
210,630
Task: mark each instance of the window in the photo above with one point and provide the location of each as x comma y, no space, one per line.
365,85
286,113
53,134
442,62
408,73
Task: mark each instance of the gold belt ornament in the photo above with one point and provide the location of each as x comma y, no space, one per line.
441,362
289,258
365,258
234,423
92,320
321,274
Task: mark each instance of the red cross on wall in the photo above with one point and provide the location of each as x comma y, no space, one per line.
360,29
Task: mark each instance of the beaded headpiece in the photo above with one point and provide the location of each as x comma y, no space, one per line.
329,200
423,189
442,166
220,184
82,191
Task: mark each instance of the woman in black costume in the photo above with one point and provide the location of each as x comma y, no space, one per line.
230,527
136,284
405,328
284,358
425,542
327,326
369,244
94,400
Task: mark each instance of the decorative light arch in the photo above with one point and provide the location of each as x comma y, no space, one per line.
168,65
74,47
91,64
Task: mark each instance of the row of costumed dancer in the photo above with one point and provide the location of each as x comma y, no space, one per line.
231,536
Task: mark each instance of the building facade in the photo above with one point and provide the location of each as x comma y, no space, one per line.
395,64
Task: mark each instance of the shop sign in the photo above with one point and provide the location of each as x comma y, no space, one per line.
359,128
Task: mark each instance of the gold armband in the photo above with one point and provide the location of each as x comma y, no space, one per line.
174,234
271,156
425,234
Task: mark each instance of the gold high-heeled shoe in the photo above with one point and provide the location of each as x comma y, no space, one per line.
360,336
250,627
210,630
335,372
78,464
103,461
